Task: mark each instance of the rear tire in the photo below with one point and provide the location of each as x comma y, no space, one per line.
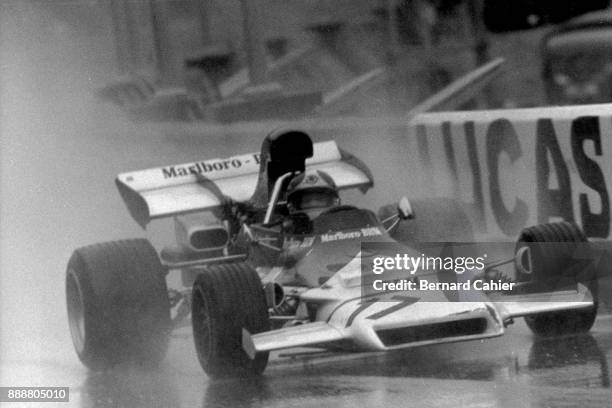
552,263
117,302
227,298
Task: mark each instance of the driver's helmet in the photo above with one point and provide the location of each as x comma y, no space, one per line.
311,193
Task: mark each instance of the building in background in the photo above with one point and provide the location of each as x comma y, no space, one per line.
247,59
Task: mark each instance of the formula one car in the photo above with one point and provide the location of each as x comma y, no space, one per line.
274,262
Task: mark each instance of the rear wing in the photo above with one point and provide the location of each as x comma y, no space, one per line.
204,185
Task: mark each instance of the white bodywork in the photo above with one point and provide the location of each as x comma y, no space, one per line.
425,317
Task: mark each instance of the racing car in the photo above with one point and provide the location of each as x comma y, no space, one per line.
270,259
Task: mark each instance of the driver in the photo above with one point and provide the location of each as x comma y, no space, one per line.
311,193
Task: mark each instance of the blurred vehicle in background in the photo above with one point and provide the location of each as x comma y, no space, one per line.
513,15
577,60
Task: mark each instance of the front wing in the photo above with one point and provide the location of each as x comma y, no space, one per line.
394,324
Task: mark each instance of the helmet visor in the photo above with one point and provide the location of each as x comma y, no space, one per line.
309,199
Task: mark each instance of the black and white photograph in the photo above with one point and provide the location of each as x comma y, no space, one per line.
305,203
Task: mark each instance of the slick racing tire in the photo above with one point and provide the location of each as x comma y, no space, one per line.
552,266
117,301
435,220
226,299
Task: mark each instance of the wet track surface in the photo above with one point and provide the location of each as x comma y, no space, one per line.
512,371
60,151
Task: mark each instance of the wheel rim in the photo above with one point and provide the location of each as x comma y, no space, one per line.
76,311
202,323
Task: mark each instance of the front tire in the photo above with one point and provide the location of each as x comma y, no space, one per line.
117,301
551,263
227,298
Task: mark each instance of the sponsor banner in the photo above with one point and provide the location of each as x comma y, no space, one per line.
214,169
515,168
210,166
